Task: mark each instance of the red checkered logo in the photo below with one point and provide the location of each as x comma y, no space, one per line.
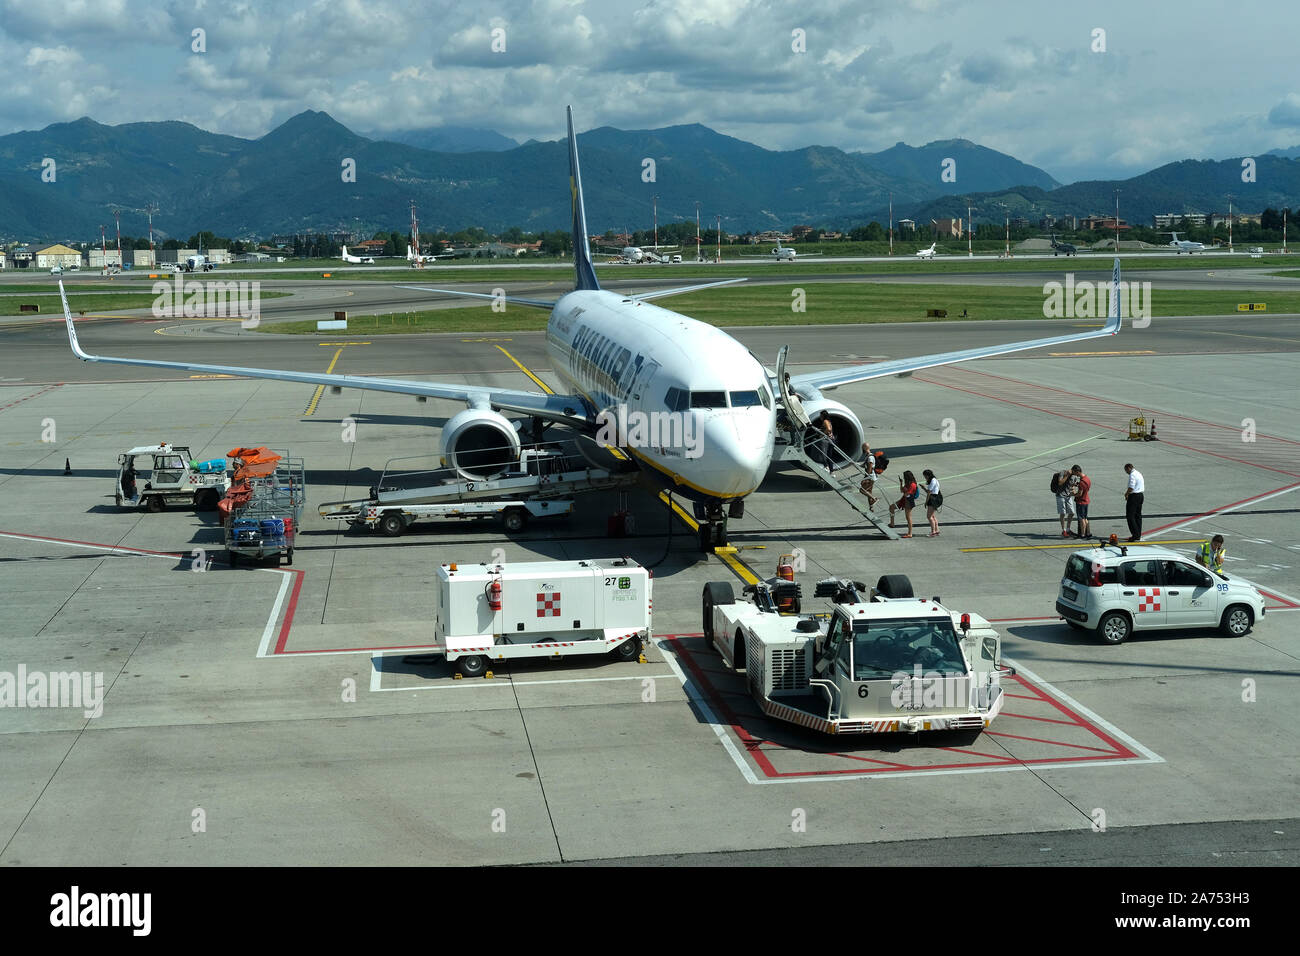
548,604
1148,599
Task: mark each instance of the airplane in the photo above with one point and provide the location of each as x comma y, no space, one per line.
1062,247
1185,245
418,260
617,354
357,260
644,254
927,253
781,253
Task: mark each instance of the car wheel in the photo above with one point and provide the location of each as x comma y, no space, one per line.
1114,627
156,503
1236,621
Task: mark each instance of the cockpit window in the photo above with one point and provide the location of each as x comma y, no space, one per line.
708,399
746,399
676,400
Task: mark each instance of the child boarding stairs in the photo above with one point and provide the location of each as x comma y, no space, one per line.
814,449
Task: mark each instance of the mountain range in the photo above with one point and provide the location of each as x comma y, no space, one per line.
294,179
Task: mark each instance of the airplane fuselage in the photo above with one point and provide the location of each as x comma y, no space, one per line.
685,399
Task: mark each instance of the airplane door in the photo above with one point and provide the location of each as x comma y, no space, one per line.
792,405
643,377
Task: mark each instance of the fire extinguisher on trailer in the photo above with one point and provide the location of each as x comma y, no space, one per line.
493,591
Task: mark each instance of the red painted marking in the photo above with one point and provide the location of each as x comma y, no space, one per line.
1086,421
28,398
1054,743
756,747
1220,508
289,610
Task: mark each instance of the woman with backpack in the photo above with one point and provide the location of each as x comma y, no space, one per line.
933,501
907,485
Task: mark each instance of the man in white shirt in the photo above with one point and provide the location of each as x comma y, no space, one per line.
1134,495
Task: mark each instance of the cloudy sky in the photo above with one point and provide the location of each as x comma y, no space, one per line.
1176,80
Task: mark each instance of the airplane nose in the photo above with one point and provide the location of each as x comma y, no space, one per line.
736,451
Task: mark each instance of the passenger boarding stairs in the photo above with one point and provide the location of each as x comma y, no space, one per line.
804,442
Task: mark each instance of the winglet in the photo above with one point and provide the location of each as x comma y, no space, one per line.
72,332
1116,302
586,273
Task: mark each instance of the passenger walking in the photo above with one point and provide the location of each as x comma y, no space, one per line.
1082,499
868,486
1064,503
933,501
1134,496
910,492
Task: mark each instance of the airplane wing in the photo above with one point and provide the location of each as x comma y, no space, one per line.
834,378
661,293
571,409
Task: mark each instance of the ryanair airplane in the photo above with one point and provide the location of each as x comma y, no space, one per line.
621,357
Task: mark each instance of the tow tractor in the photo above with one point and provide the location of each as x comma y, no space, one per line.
165,475
890,662
547,609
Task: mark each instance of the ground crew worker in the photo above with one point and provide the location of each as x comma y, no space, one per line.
1210,554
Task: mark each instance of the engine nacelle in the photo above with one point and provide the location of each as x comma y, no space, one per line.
478,443
848,429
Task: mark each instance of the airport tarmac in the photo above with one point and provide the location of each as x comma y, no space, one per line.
282,707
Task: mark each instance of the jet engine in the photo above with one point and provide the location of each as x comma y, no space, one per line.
478,443
848,429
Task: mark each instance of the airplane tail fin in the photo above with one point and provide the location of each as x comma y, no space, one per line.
585,272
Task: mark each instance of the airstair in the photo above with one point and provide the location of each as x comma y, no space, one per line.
804,442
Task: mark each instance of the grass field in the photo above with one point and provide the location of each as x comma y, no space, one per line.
80,301
824,304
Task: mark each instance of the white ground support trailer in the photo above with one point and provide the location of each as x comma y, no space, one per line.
891,663
164,474
540,485
548,609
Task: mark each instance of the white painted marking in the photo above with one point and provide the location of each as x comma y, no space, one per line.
115,549
718,727
275,612
376,677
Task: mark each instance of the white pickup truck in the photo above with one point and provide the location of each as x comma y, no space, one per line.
892,662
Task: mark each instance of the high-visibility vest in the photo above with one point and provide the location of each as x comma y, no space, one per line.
1212,559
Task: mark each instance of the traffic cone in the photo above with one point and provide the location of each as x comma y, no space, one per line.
67,466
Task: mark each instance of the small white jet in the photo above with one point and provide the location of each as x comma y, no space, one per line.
1185,245
617,356
927,253
784,253
418,260
357,260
